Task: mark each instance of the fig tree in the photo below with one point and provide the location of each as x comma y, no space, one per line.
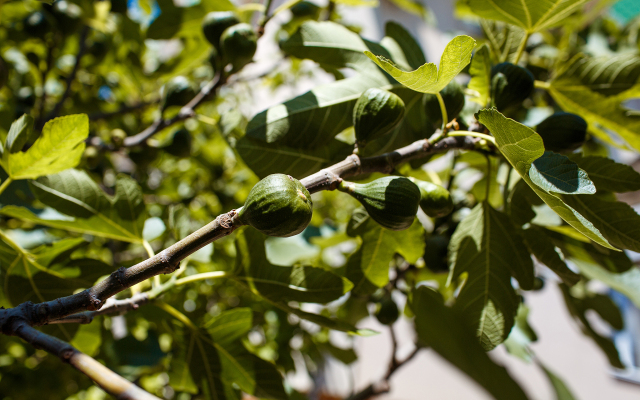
562,132
214,23
375,114
238,44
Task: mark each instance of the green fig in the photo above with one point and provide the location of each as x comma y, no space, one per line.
181,144
453,96
375,114
177,92
562,132
391,201
278,205
4,72
387,312
435,200
67,15
510,86
435,253
238,44
38,24
214,23
306,9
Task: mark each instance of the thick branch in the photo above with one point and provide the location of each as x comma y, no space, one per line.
108,380
328,178
167,261
187,111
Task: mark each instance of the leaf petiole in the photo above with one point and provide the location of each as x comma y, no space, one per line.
6,183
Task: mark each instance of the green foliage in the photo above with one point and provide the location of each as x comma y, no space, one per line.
534,176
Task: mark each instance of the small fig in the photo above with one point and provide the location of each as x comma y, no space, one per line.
453,96
37,24
238,44
4,72
278,205
562,132
510,85
436,250
435,200
388,312
177,92
391,201
375,114
306,9
67,15
181,144
214,23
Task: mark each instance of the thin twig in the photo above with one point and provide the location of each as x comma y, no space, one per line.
265,18
187,111
109,381
82,47
122,110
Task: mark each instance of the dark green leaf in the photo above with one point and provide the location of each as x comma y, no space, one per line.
608,175
556,173
488,248
443,330
543,249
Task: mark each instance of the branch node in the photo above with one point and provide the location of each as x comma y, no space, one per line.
94,302
119,275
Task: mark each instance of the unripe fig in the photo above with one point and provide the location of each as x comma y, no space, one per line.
4,72
238,44
435,200
118,136
306,9
181,144
67,15
391,201
278,205
388,312
177,92
375,114
119,6
453,96
37,24
436,250
562,132
214,23
510,85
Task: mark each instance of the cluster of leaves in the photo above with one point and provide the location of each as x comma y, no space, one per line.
72,213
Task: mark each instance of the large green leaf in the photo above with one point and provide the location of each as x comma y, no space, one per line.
556,173
480,71
168,22
488,248
607,75
59,147
530,15
332,44
543,249
617,221
578,308
408,51
368,268
443,330
504,39
429,78
595,89
282,284
521,146
91,211
608,175
230,325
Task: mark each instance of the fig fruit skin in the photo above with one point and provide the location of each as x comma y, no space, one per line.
391,201
279,205
562,132
238,44
388,312
215,23
375,114
435,200
510,86
177,91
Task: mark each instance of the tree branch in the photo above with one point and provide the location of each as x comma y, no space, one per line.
122,110
108,380
82,47
187,111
